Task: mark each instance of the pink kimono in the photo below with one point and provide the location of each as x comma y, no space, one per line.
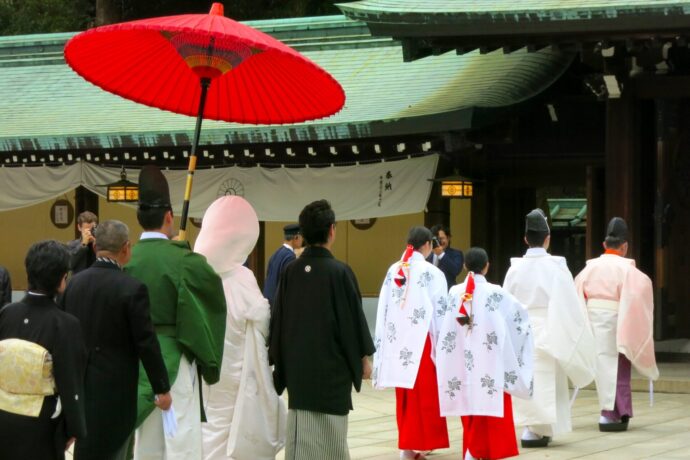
620,304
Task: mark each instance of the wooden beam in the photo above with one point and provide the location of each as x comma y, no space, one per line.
661,86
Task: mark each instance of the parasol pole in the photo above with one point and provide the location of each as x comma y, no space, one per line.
205,82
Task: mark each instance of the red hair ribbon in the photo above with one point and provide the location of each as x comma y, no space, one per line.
465,318
400,278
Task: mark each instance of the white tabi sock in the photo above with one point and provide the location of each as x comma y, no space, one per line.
469,456
604,420
528,435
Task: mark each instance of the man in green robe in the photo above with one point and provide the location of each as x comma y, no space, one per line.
188,312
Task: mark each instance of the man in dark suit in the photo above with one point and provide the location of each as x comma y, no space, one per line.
5,287
284,255
113,309
82,250
447,259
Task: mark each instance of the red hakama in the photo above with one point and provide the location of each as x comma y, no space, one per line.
490,437
420,425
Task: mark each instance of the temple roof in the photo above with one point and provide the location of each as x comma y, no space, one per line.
48,107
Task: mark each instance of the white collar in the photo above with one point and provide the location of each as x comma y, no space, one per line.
289,247
478,278
536,252
153,235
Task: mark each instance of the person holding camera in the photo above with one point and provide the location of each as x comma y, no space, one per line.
82,250
447,259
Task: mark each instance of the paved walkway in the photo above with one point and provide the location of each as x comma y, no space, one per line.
659,432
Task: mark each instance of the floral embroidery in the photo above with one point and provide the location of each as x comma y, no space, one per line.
387,280
397,293
453,385
424,279
493,301
405,356
377,344
488,383
391,332
510,378
531,388
443,306
518,319
520,359
491,339
448,344
417,315
469,360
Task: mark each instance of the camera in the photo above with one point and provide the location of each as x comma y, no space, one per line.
434,242
92,230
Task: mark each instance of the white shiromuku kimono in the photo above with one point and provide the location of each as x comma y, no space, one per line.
246,417
405,317
564,344
476,366
620,304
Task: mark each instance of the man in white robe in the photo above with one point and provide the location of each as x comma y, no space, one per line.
411,303
620,304
562,337
246,418
484,355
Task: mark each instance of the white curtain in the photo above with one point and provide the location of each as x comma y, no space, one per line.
355,192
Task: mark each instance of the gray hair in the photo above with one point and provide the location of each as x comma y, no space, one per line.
111,235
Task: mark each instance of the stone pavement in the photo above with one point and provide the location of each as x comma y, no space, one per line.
659,432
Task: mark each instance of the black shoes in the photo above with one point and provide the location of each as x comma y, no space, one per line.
529,443
615,427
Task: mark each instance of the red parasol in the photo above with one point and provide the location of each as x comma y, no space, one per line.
208,66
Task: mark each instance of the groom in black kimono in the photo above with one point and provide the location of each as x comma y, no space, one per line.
319,342
113,309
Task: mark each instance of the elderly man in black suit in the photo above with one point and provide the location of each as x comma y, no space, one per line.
113,309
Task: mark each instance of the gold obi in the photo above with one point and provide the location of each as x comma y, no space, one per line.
26,377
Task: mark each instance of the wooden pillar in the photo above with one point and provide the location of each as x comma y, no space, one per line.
258,256
596,220
482,193
437,207
622,166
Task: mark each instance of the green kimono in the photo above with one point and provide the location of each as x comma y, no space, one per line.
187,309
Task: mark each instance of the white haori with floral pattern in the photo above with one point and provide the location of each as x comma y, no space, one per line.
405,316
474,367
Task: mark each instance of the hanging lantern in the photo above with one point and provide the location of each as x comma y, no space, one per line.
123,191
456,188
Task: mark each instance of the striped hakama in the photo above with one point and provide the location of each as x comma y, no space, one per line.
316,436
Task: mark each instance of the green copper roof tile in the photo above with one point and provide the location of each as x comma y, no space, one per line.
512,10
47,106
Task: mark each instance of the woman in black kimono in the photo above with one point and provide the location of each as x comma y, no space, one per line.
37,319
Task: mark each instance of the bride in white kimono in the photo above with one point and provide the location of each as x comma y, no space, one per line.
246,418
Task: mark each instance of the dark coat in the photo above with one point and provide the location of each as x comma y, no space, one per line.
38,319
319,334
113,309
450,264
5,287
276,265
81,257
